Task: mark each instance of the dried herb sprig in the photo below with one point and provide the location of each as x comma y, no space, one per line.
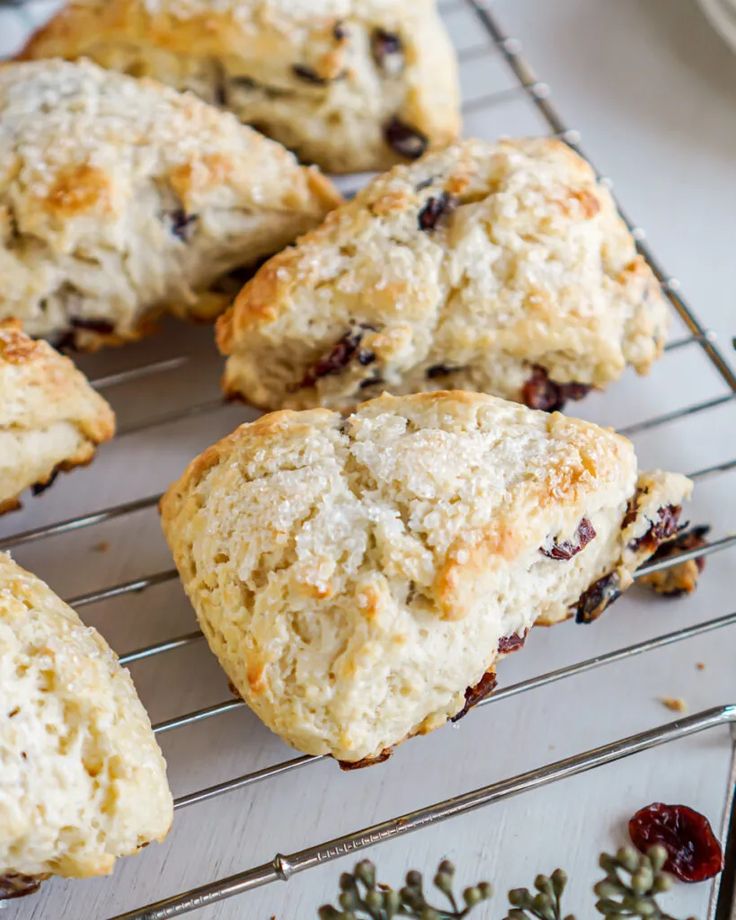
544,904
633,881
630,888
361,897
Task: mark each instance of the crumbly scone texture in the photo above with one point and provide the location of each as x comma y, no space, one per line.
347,84
120,199
50,417
82,780
497,267
356,575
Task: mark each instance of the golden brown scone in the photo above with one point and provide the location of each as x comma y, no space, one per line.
497,267
348,84
358,577
50,417
120,199
82,780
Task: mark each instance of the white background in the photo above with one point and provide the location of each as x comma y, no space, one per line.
653,91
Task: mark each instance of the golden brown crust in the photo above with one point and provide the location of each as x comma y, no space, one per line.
328,79
51,419
356,574
122,199
497,267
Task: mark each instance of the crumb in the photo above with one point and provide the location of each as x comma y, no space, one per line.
101,547
675,703
700,665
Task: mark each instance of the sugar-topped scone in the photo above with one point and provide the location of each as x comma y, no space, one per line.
82,780
50,417
347,84
497,267
358,577
122,198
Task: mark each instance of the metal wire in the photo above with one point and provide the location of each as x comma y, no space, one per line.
513,690
282,868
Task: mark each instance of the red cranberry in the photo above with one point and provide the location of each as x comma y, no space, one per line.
564,551
694,853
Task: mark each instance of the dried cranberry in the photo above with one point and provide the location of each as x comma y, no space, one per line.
539,392
14,885
433,210
473,695
308,74
694,853
512,643
662,529
181,224
387,49
38,488
441,370
599,595
339,356
681,578
405,140
564,551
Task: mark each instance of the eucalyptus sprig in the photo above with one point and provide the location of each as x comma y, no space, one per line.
630,888
544,904
361,897
633,881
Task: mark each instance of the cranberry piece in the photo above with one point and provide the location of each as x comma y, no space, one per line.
694,853
662,529
405,140
441,370
339,356
14,885
181,224
564,551
473,695
433,210
308,74
599,595
512,643
38,488
539,392
694,538
386,45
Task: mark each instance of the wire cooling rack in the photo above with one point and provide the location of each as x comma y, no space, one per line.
152,373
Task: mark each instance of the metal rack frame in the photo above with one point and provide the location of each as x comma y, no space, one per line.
283,867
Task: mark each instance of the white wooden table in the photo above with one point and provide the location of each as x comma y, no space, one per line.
653,91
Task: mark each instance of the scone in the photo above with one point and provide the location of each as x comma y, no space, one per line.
359,576
122,198
82,780
50,417
502,268
348,84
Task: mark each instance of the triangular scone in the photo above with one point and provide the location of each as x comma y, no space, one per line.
50,417
497,267
122,198
347,84
82,780
358,576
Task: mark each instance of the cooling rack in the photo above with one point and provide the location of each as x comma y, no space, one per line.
145,383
